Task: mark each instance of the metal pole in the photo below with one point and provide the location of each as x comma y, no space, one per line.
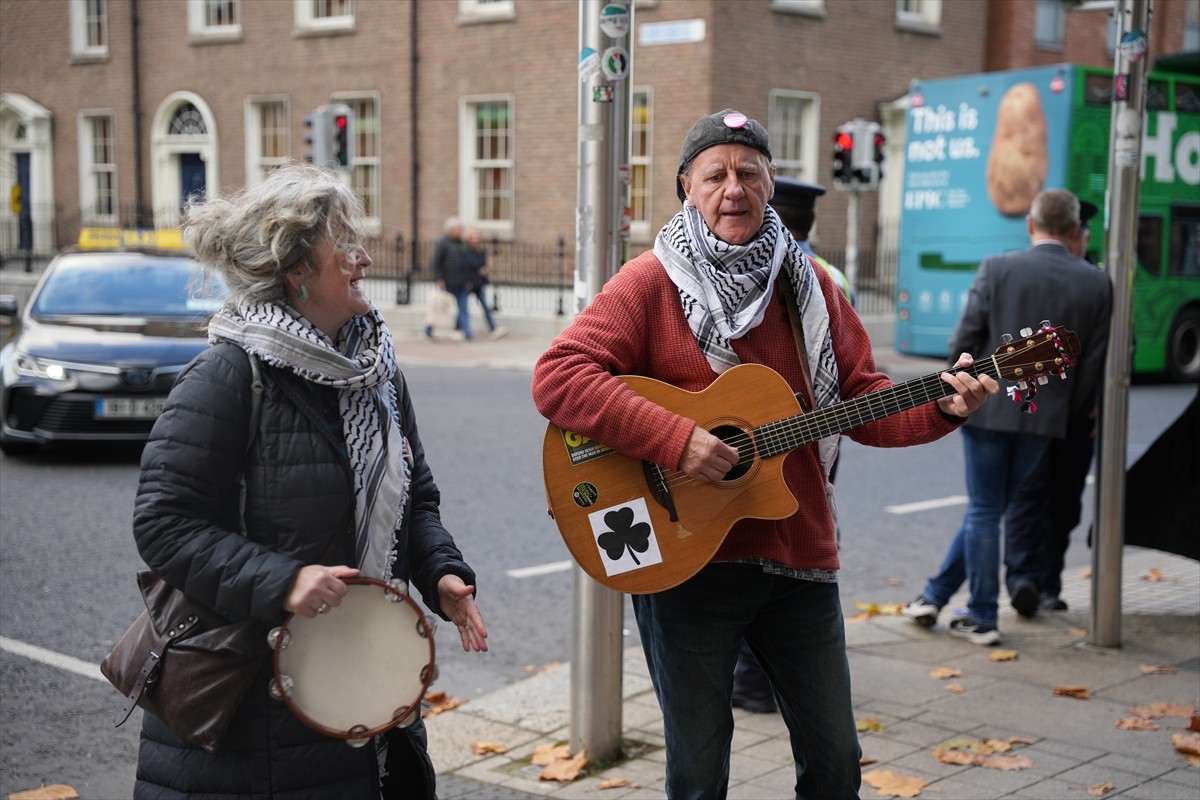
1124,179
603,141
852,238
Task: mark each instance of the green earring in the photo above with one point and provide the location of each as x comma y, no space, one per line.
303,292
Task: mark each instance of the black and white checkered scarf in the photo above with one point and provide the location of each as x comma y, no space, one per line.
725,289
360,365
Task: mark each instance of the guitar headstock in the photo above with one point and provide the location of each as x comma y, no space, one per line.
1030,360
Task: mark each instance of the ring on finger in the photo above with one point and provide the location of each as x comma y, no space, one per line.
321,609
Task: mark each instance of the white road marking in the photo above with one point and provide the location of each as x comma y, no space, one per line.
69,663
539,569
926,505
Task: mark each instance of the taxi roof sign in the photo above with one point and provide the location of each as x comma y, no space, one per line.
131,239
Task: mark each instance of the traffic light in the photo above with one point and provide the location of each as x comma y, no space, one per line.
319,136
343,136
880,141
843,155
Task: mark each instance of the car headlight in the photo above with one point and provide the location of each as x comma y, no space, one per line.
32,367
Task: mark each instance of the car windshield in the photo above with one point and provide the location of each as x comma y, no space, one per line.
139,286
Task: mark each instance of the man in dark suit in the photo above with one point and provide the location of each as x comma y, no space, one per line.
1047,505
1001,445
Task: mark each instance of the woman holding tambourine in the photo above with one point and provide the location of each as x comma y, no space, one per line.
286,470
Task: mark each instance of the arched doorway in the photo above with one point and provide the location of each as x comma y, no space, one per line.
184,165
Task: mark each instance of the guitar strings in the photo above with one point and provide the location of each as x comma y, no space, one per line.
845,412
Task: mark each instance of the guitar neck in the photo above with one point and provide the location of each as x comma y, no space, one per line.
788,434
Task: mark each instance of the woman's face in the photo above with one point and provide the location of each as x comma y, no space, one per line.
335,292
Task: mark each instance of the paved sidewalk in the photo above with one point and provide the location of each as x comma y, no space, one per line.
1071,744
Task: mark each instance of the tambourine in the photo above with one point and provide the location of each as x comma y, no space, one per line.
360,669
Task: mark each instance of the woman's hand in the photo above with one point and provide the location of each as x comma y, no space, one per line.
318,589
458,602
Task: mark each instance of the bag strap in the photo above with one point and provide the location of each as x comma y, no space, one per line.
789,300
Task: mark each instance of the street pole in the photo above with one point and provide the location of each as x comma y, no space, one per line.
852,239
600,244
1124,179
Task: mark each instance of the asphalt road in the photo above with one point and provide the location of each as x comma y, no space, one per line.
67,561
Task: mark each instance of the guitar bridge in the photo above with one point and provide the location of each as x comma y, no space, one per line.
658,488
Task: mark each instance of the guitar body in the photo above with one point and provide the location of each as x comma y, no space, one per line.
621,531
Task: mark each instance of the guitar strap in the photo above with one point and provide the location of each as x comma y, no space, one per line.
789,301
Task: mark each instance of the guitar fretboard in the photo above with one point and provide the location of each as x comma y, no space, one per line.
792,432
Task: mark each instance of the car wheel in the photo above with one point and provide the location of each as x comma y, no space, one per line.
1183,347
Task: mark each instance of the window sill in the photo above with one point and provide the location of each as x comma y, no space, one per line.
338,28
813,11
918,27
201,38
89,58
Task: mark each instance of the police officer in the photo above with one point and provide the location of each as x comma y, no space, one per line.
795,202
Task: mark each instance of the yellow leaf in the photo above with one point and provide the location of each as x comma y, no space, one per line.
1002,655
861,616
944,673
1077,633
1078,692
890,784
1151,669
549,752
1009,763
55,791
484,748
1187,743
955,757
1085,573
1101,789
565,770
870,608
867,724
999,745
977,746
1154,575
615,783
1136,724
956,688
891,609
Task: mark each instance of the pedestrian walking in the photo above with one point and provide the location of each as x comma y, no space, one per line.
451,272
722,287
476,255
1001,445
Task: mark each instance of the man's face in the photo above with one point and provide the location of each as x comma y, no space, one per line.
730,185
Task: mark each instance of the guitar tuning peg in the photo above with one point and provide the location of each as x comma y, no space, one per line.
1006,338
1046,325
1026,332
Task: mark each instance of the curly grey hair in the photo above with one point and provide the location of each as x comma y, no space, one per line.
258,235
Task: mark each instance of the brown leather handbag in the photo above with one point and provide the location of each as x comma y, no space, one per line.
185,664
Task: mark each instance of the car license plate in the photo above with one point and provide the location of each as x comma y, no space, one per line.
129,407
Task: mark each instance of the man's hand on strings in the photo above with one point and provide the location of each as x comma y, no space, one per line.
706,458
971,392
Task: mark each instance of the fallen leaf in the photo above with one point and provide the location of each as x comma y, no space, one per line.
437,703
999,745
955,757
1019,740
1156,710
889,784
1194,725
943,673
956,688
893,582
1151,669
862,616
1154,575
864,761
979,747
1002,655
565,770
55,791
1101,789
1010,763
615,783
1077,633
549,752
1078,692
867,724
484,748
1136,724
870,608
1085,573
1187,743
891,609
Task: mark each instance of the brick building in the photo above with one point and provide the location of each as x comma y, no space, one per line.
111,111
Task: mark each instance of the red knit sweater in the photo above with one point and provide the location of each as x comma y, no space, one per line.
635,326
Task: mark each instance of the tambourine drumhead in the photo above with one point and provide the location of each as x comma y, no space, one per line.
359,669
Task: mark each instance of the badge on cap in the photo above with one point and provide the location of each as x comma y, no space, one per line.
735,119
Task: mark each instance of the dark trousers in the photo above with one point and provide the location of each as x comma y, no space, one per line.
1045,509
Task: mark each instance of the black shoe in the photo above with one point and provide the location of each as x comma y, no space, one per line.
974,632
922,612
754,702
1052,604
1025,599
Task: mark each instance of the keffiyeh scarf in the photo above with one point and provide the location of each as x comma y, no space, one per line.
360,366
725,289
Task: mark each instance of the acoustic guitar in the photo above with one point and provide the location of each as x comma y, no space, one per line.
639,527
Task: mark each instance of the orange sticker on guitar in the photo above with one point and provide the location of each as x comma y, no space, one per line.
625,537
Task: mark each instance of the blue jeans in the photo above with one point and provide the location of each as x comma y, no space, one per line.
462,296
996,464
691,635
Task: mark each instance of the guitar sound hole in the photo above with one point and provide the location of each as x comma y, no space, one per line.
741,441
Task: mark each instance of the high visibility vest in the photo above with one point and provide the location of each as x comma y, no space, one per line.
838,276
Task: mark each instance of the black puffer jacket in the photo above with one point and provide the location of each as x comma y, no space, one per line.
298,496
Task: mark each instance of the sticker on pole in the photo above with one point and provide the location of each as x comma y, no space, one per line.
614,20
615,63
589,64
